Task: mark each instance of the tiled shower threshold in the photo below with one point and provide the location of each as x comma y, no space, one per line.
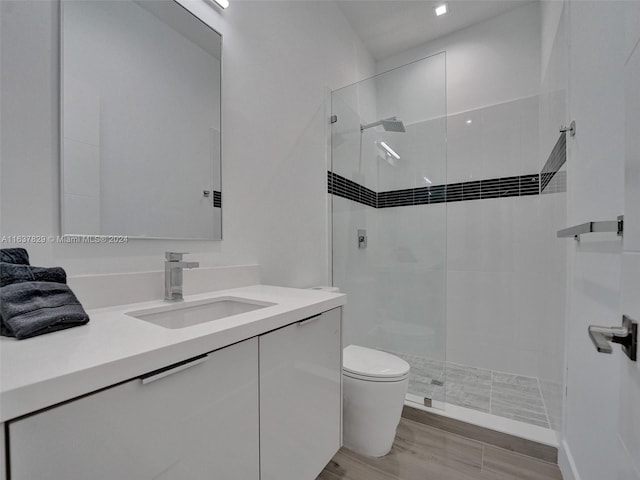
527,431
498,394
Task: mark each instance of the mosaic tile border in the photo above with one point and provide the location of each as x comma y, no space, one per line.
217,199
554,163
517,186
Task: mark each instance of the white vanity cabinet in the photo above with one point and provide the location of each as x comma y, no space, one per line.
196,421
300,397
267,408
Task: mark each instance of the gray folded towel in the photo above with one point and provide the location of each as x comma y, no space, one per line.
28,309
11,273
14,255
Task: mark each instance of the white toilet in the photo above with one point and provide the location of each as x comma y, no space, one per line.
374,387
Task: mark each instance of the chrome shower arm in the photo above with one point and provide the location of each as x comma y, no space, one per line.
375,124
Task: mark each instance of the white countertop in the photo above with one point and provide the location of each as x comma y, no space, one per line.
113,347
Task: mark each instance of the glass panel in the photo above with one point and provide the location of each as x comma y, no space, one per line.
390,184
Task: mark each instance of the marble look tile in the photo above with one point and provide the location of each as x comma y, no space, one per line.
458,373
555,423
553,393
520,415
525,390
498,406
512,396
418,386
439,394
423,366
511,379
526,402
475,397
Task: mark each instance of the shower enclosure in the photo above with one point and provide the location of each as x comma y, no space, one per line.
388,181
444,238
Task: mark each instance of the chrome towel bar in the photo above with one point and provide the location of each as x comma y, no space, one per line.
593,227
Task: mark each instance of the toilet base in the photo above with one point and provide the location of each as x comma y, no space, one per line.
371,413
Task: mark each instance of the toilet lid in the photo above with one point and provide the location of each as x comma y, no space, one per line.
372,363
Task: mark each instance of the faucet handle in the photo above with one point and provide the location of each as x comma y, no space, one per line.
174,256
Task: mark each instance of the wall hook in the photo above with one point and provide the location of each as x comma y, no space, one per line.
571,128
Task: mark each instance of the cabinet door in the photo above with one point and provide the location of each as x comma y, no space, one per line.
197,423
300,398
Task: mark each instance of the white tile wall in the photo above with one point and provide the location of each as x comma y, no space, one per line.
354,269
410,280
501,141
464,139
422,151
480,235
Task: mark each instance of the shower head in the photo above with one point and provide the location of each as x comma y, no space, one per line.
389,125
393,125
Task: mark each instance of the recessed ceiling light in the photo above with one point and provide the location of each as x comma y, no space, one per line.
469,122
222,3
441,9
390,150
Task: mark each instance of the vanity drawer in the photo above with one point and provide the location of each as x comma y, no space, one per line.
198,420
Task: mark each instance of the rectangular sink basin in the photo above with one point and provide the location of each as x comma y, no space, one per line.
187,314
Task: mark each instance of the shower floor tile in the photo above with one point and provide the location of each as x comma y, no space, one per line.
507,395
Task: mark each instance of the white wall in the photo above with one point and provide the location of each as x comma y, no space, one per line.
278,59
550,19
488,63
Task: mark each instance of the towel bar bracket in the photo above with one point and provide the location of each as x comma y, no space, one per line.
594,227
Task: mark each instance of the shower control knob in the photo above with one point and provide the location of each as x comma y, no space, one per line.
362,239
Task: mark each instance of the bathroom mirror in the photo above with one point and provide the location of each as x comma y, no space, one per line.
140,121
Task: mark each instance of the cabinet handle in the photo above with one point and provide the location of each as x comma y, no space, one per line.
309,320
171,369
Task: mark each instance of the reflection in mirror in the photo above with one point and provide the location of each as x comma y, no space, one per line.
140,131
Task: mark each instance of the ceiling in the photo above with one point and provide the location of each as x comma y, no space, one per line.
387,27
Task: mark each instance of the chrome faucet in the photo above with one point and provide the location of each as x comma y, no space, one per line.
173,275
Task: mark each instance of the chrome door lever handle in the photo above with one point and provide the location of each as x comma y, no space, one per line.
626,336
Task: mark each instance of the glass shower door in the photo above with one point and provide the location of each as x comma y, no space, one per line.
388,188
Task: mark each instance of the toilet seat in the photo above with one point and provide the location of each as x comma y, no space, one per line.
370,365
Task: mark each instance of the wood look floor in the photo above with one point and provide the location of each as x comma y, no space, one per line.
421,452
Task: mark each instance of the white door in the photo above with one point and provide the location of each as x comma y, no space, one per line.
629,420
601,431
